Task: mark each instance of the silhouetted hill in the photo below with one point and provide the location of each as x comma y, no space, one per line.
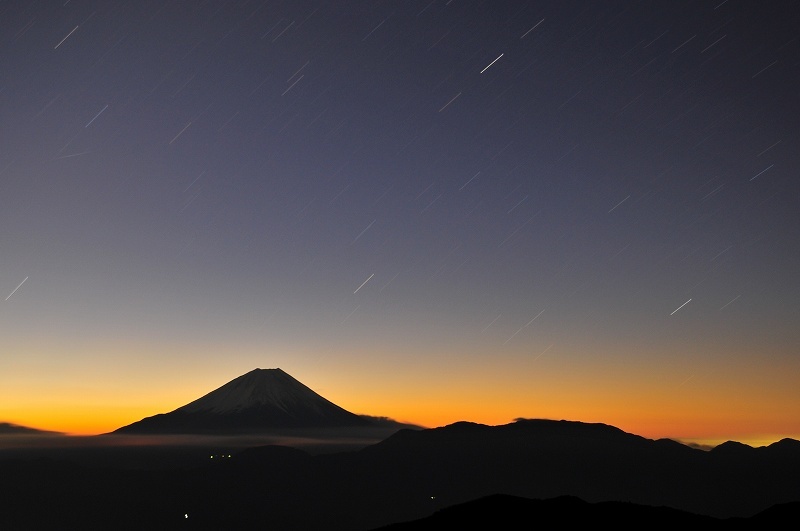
413,474
596,462
260,401
7,428
501,511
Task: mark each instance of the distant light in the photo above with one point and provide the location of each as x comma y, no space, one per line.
186,515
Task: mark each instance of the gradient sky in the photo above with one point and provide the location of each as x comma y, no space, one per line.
428,210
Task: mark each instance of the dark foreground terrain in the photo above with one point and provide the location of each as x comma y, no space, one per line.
501,511
488,476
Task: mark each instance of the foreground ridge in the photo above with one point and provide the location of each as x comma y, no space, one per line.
506,512
412,475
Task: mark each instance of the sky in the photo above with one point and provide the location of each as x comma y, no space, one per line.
433,211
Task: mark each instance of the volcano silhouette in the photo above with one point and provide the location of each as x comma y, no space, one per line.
259,401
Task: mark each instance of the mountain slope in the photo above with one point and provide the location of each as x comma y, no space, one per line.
7,428
258,401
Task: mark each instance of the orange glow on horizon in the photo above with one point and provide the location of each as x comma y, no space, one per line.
77,423
683,400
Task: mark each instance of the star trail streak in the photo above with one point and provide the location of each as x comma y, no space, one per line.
15,289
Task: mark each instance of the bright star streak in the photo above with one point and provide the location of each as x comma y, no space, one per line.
362,284
15,289
681,306
490,64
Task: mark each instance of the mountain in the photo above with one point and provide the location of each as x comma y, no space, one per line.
416,474
540,458
262,400
413,473
7,428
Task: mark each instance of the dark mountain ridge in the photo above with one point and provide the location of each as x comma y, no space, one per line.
596,462
8,428
412,475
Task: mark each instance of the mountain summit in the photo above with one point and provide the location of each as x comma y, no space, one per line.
259,401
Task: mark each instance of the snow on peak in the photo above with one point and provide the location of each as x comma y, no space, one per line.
271,388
